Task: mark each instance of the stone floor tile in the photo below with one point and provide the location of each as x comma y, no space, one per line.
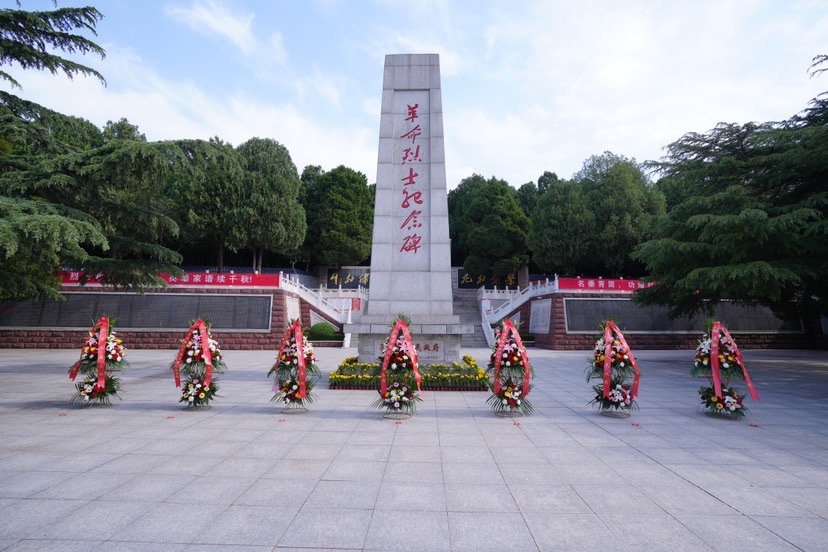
810,534
418,472
247,525
29,483
292,468
343,494
173,523
411,496
95,519
483,532
650,530
38,545
152,488
603,499
466,455
480,497
341,529
129,546
552,499
686,499
26,517
406,530
567,532
734,533
354,470
289,493
414,453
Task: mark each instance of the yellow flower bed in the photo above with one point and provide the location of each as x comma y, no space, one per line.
457,376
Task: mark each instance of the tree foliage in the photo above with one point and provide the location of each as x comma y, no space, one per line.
591,224
35,239
751,225
563,228
624,203
204,185
29,39
122,130
527,197
115,188
487,227
339,206
272,217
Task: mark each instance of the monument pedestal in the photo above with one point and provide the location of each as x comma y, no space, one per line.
437,340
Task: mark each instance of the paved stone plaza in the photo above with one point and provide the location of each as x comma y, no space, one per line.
146,475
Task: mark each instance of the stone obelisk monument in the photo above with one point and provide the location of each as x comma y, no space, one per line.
411,251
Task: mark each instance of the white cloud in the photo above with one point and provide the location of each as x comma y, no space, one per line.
169,110
213,17
527,86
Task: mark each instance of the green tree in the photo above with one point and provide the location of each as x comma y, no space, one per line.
37,236
204,183
487,226
562,234
753,227
624,202
274,220
527,196
29,38
546,181
27,128
122,130
339,206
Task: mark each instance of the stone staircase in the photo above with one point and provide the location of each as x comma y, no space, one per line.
466,307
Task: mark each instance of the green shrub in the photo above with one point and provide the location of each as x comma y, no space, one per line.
322,331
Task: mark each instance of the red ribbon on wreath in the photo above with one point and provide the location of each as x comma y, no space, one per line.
509,328
715,370
408,343
610,329
296,330
201,328
102,329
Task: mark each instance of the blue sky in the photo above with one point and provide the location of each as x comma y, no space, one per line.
528,85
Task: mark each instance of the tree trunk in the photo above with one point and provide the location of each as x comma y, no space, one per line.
220,259
258,254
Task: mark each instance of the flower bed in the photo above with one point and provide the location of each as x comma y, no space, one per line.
465,376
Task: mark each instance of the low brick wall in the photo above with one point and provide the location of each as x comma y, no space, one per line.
559,339
158,339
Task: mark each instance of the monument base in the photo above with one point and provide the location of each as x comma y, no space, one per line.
431,348
436,343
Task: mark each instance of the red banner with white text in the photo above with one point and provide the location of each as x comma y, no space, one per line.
192,279
606,285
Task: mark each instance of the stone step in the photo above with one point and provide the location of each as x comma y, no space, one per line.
465,306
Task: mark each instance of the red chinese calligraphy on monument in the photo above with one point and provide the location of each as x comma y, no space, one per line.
411,240
414,133
411,221
411,243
